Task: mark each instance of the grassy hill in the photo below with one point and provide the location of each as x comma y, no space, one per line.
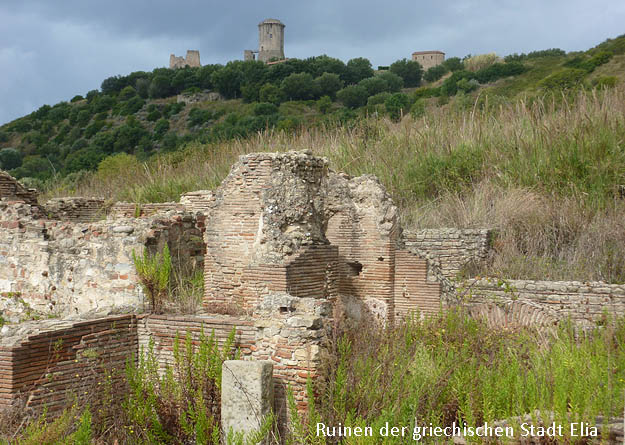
532,146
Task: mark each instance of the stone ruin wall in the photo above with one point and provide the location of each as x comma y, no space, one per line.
63,268
45,364
12,190
76,209
542,303
453,248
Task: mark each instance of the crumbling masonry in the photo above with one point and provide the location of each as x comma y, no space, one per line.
287,246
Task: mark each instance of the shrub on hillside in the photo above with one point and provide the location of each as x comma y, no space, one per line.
394,82
127,93
565,79
353,96
481,61
605,82
499,70
409,70
374,85
298,86
324,104
10,158
198,116
271,93
328,84
397,105
161,127
131,106
357,69
453,64
378,99
265,109
417,109
435,73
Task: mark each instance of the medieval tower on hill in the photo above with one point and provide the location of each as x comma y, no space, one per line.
270,42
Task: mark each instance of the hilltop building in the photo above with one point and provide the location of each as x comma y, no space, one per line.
428,59
192,59
270,42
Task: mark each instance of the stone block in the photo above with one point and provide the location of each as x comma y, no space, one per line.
246,394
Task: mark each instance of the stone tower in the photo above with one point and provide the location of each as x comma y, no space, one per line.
428,59
270,40
192,60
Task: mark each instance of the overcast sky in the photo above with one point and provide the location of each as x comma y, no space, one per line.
51,50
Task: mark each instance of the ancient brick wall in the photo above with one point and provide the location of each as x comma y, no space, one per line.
132,210
65,268
264,219
197,201
12,190
287,330
414,293
49,363
364,226
75,209
526,302
453,248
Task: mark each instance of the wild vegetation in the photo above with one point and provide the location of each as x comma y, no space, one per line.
441,370
546,173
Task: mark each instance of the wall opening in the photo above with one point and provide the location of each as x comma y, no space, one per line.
353,269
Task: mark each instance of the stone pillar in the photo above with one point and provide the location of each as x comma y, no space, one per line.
246,395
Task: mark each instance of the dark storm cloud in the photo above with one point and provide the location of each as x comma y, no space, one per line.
52,50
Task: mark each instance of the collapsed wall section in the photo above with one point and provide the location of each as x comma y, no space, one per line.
12,190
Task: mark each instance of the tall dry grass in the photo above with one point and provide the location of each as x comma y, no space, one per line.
544,172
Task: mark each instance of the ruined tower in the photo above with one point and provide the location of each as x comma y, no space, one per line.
270,40
192,59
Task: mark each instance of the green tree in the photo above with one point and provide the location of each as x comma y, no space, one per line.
161,127
353,96
10,158
435,73
324,104
374,85
328,84
453,64
228,80
127,93
251,92
271,93
324,64
409,70
396,105
358,69
394,82
143,87
265,109
298,86
160,87
205,75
